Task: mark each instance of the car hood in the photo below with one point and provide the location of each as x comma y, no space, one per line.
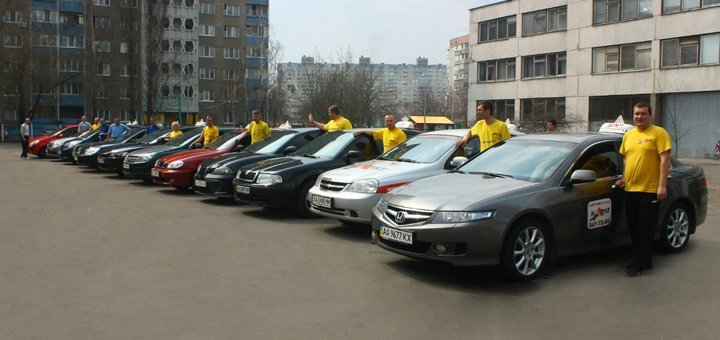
453,191
41,138
373,169
128,148
155,149
283,163
192,155
230,159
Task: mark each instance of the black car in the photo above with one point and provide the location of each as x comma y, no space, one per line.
137,164
111,160
62,148
86,154
284,182
214,176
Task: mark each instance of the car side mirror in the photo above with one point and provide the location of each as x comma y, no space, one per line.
353,154
458,161
582,176
60,135
240,147
290,149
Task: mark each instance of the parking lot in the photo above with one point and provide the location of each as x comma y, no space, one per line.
85,254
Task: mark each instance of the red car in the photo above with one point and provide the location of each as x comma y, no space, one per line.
38,145
178,169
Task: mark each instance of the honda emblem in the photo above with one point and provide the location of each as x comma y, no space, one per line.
400,217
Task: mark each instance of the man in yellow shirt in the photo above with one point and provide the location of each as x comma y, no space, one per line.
258,129
337,121
647,164
490,130
390,135
209,133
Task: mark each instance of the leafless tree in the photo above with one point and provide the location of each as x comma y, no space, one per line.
672,110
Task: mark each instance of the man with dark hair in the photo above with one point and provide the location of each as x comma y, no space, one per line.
152,126
551,125
646,149
258,129
490,130
337,121
102,136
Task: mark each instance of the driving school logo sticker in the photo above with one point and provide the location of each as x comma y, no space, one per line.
599,213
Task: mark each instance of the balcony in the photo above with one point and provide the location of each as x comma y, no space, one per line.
72,6
257,2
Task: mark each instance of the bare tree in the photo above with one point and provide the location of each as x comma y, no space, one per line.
672,111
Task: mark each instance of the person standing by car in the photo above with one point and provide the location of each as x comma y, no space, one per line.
209,133
646,149
490,130
551,125
117,130
390,135
152,127
24,137
175,133
84,125
102,136
258,129
337,121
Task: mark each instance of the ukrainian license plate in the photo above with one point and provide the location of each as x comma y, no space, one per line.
154,173
320,201
395,235
101,160
242,189
126,166
199,183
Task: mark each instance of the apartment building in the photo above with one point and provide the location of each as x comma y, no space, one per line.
457,69
586,62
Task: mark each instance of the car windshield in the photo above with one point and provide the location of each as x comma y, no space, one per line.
128,135
271,144
225,141
153,136
327,145
526,160
422,149
192,134
87,133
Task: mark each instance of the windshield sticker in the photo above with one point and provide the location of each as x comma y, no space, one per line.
599,213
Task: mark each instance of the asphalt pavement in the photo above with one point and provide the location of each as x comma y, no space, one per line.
85,254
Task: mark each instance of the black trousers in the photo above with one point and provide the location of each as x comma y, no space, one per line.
641,209
24,144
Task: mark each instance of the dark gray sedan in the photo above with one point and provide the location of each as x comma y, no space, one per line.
528,200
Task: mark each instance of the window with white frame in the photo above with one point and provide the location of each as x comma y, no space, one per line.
207,96
14,17
207,52
102,46
232,10
104,69
256,30
672,6
43,15
101,2
230,74
541,109
545,21
497,29
71,88
232,32
125,70
255,51
70,65
13,41
207,30
207,73
231,53
622,57
544,65
124,93
691,51
124,48
606,11
72,18
100,22
494,70
72,41
207,8
257,11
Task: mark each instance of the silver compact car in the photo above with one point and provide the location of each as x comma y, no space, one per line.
530,199
349,193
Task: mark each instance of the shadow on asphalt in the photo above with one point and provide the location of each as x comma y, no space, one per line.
176,192
222,202
141,183
353,233
281,216
114,176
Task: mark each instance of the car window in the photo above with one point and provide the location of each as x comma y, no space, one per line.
423,149
271,144
151,137
193,134
225,141
366,146
305,138
327,145
602,159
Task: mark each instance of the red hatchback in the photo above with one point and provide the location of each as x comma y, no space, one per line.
38,145
178,169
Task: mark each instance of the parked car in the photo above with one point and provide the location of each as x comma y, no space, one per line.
215,176
61,148
38,145
349,193
137,164
178,169
112,160
285,181
87,154
530,199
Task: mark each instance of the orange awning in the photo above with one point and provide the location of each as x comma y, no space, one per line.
440,120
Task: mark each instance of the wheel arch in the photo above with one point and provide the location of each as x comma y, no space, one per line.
691,209
535,215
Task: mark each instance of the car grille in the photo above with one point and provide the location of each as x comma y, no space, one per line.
248,176
132,159
403,216
332,186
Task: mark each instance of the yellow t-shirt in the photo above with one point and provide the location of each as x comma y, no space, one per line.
210,133
258,131
642,151
95,126
175,134
389,137
338,125
490,134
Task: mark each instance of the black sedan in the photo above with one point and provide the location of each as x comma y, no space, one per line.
86,154
214,176
112,160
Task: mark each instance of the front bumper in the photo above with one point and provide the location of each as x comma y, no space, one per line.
137,170
88,160
215,185
346,206
277,195
181,178
53,152
110,164
467,244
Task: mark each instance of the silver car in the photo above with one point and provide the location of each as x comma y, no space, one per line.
527,200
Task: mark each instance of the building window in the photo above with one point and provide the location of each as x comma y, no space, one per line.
255,30
128,25
607,109
101,2
541,109
207,73
16,17
207,52
257,11
494,70
125,70
102,46
207,96
622,58
544,21
207,8
232,10
544,65
13,41
41,15
71,41
129,3
188,92
503,108
71,88
232,32
231,75
207,30
690,51
255,51
70,65
101,23
231,53
606,11
124,93
497,29
104,70
124,48
671,6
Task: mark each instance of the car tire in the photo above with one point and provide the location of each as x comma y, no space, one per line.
527,237
43,152
675,230
302,205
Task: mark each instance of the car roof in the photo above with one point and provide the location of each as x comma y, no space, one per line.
576,138
451,132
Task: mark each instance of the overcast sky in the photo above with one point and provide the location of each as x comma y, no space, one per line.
388,31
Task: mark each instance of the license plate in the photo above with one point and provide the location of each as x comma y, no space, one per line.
199,183
395,235
320,201
154,173
126,166
242,189
101,160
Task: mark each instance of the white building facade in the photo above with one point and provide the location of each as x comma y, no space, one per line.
585,62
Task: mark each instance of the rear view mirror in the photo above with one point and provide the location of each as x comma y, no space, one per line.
290,149
458,161
353,154
582,176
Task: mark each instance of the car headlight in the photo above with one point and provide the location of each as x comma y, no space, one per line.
463,216
269,179
223,170
381,205
33,144
175,165
364,186
70,145
91,151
